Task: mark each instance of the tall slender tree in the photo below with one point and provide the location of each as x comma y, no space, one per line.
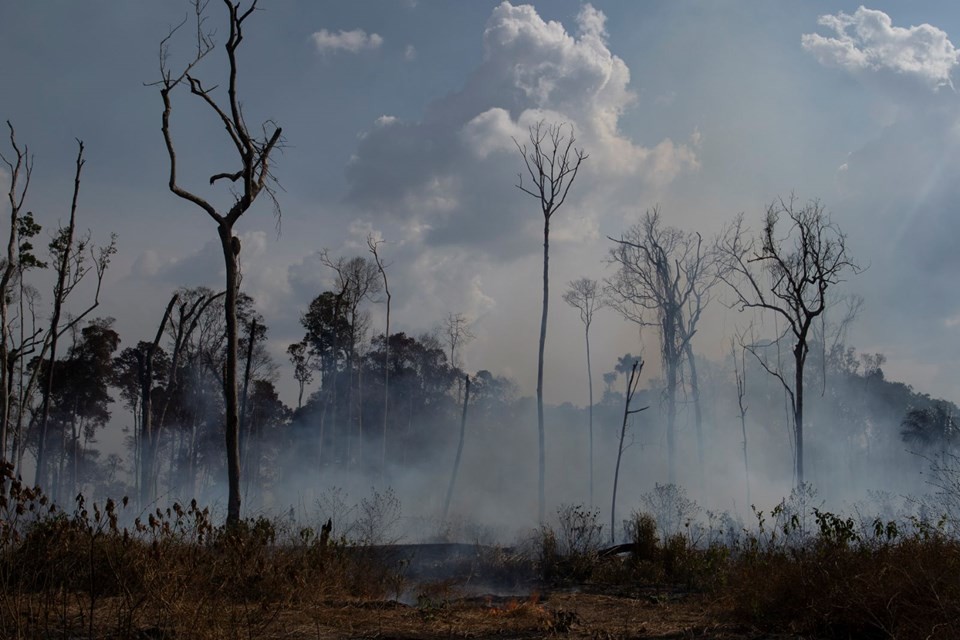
69,253
584,295
373,244
552,163
254,154
148,437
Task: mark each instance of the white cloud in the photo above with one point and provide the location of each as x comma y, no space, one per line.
353,41
867,40
410,53
452,173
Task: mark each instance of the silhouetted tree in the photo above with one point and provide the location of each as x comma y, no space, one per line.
254,155
17,340
801,266
300,357
664,277
583,295
552,163
357,280
633,381
373,245
69,253
80,399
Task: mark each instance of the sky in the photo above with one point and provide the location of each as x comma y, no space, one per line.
398,119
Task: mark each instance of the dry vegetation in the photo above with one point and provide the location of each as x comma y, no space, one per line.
172,574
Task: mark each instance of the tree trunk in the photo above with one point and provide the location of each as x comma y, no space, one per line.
58,296
456,462
800,357
631,388
243,430
230,252
386,386
671,366
541,495
697,410
590,410
148,439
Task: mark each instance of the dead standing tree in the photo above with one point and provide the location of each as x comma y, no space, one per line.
148,438
457,333
254,177
552,163
802,266
633,381
19,168
69,253
583,295
664,279
373,245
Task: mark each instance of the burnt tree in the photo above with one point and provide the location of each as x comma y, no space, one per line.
584,295
253,177
789,276
552,163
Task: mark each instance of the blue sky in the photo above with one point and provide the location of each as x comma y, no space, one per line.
398,117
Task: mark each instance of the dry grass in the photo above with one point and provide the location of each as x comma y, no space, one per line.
173,575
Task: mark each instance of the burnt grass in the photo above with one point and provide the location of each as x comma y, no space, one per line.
171,574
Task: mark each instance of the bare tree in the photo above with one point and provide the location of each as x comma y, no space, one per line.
740,375
195,333
373,245
584,295
254,176
457,333
789,276
20,171
69,253
463,433
552,162
664,279
148,438
633,381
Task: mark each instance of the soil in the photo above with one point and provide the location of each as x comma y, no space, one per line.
555,615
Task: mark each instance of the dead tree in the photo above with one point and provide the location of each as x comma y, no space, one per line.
633,381
190,310
552,163
374,245
789,276
740,375
254,178
69,253
463,433
20,170
148,437
584,295
664,278
457,333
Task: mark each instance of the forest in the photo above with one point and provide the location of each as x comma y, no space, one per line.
141,473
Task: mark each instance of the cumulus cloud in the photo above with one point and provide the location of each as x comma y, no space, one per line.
867,40
451,174
410,53
353,41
